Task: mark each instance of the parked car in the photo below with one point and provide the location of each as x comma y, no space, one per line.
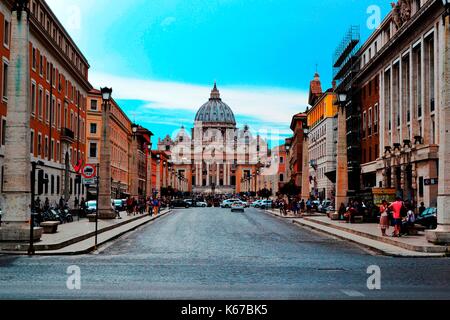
91,207
315,204
428,218
118,204
201,204
179,203
256,204
266,204
237,206
323,206
227,203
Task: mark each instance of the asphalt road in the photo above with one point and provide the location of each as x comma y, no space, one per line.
215,254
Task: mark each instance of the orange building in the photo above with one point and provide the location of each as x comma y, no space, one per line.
58,90
120,126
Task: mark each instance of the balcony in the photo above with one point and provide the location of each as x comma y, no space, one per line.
67,135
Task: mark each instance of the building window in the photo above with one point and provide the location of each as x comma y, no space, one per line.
46,147
33,59
58,184
40,97
418,80
32,142
3,131
364,124
93,128
369,125
52,185
93,150
33,98
5,80
6,34
41,65
39,145
47,107
281,177
375,119
281,160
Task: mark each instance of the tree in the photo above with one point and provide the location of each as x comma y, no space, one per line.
265,193
290,189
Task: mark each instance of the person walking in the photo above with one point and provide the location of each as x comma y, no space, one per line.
396,208
155,207
384,218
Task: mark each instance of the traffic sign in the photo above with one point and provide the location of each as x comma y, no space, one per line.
89,181
89,171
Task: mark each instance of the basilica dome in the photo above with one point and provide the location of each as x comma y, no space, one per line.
215,110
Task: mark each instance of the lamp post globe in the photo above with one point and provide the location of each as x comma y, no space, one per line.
106,94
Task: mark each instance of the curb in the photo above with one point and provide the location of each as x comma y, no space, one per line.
427,249
366,246
46,252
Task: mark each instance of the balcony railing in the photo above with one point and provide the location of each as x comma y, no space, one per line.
67,135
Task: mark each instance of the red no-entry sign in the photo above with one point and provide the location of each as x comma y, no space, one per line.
89,171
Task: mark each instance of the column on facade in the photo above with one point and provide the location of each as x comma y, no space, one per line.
207,174
105,210
442,234
217,174
17,158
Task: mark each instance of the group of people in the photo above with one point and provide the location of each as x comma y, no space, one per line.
295,205
152,206
400,214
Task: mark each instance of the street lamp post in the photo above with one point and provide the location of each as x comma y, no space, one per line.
34,165
104,194
442,233
341,153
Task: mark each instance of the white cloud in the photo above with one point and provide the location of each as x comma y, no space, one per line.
168,21
273,105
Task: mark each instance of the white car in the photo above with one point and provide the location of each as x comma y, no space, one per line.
257,204
202,204
228,203
238,206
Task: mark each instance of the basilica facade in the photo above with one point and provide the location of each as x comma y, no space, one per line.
215,156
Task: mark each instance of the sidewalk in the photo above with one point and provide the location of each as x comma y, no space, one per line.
78,237
369,235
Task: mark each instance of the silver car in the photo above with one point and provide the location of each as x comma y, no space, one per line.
238,206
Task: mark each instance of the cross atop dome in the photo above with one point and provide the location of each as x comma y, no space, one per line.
215,94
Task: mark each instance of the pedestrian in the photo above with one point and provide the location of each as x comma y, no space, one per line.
397,208
409,220
342,211
421,208
155,207
308,206
46,204
384,218
302,205
82,208
76,202
61,203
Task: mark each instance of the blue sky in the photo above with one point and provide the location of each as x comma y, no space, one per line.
162,56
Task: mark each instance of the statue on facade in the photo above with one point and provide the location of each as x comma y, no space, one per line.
396,15
401,12
405,10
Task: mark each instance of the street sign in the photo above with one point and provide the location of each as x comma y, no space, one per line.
89,181
89,171
430,182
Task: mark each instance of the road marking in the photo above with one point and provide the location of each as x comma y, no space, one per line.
353,293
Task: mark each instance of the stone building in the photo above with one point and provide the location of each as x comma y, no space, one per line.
403,58
216,157
58,86
322,136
